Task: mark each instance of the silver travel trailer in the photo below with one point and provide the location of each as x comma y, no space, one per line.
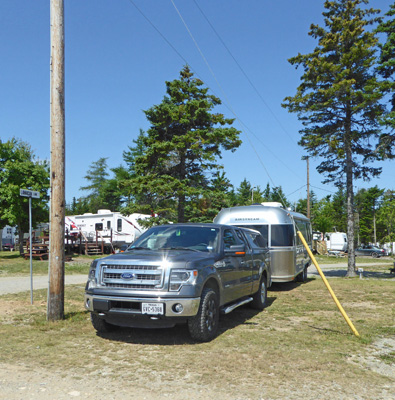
288,257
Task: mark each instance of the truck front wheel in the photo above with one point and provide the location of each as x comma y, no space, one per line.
259,299
101,325
203,327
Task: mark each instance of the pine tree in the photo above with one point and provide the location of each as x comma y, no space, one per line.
338,100
386,69
182,146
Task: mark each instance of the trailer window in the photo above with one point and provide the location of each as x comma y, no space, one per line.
99,226
282,235
119,225
304,228
108,225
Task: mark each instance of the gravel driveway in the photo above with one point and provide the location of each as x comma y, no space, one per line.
16,284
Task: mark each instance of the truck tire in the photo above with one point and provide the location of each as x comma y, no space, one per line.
259,299
203,327
101,325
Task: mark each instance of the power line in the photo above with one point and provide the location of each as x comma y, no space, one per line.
243,72
228,104
159,32
290,194
223,92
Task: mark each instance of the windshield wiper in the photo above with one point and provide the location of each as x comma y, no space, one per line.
178,248
139,248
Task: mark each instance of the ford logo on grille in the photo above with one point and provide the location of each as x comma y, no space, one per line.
128,275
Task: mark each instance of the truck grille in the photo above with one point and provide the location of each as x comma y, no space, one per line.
132,276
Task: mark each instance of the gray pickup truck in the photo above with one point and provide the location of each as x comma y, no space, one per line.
179,273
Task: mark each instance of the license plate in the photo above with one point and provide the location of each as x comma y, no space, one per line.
152,308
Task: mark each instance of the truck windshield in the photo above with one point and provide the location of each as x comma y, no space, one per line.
177,238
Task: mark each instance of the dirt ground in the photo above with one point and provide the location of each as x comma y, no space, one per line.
21,382
244,377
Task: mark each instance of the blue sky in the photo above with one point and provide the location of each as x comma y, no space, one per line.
117,64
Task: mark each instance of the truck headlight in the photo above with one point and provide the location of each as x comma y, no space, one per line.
179,277
92,281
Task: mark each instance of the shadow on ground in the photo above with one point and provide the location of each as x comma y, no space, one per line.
341,273
179,334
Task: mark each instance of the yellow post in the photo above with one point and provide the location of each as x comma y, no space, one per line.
339,306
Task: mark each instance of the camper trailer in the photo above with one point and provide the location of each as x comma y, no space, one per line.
288,258
336,242
8,237
112,228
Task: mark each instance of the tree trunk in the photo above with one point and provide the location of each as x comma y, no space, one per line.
21,234
350,200
181,208
181,197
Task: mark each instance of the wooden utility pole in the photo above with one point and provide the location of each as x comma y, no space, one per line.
55,308
308,185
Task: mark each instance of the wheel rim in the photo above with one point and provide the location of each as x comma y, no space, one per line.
211,313
263,292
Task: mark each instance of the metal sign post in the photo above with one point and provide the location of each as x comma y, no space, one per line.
35,195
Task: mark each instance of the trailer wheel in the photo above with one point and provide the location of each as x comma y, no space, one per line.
101,325
259,299
203,327
302,277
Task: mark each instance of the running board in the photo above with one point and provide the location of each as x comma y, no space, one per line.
230,308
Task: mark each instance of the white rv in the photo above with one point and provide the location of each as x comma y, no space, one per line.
336,241
288,258
109,227
8,237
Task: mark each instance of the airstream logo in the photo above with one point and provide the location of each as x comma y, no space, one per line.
128,276
247,219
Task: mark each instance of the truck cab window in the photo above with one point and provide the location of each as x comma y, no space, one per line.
229,238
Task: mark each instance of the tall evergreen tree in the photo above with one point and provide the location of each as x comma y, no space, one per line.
182,146
367,202
217,195
134,202
322,215
104,192
338,100
386,68
340,215
243,193
386,217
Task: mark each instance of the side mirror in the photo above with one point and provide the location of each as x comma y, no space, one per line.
236,250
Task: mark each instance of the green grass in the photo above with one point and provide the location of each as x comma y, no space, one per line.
338,260
301,328
12,264
298,340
